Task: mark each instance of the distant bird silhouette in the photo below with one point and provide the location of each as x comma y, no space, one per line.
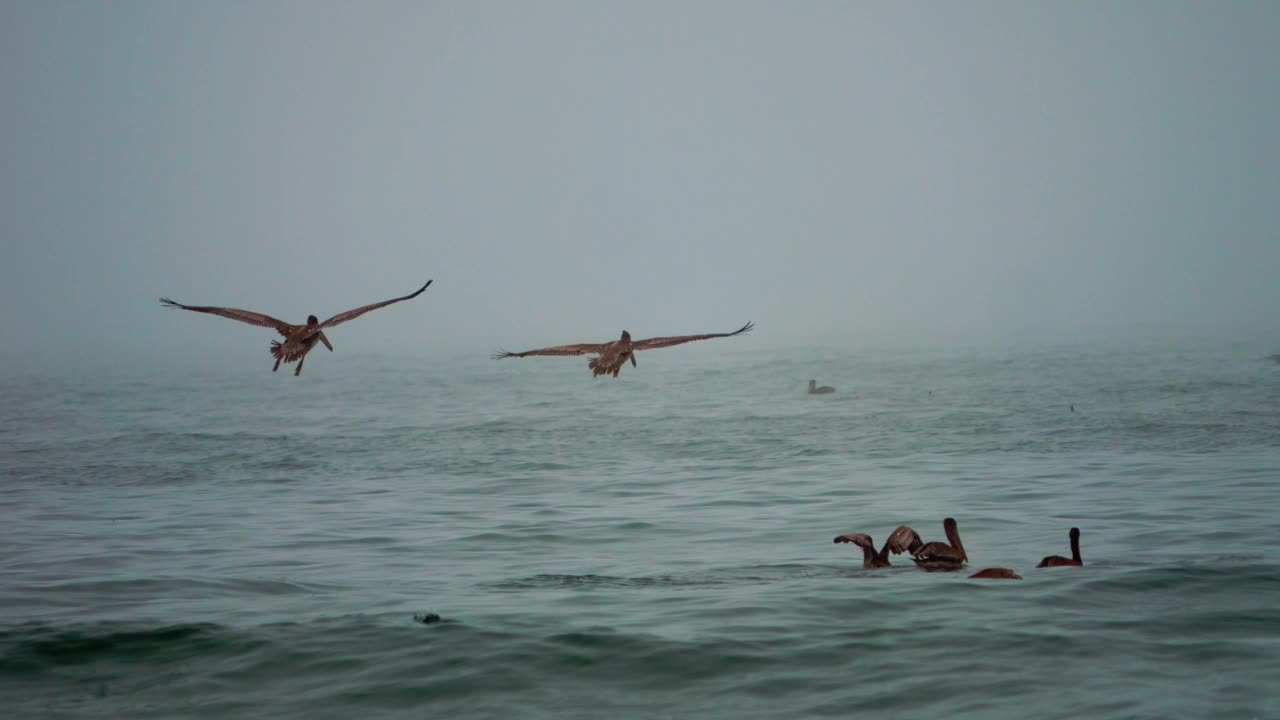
298,339
815,390
611,356
1274,358
1059,561
902,539
995,574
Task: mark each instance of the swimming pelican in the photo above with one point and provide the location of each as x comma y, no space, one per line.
298,339
611,356
815,390
902,539
995,574
1059,561
940,555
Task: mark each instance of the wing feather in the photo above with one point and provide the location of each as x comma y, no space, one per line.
579,349
662,342
859,539
904,539
244,316
353,314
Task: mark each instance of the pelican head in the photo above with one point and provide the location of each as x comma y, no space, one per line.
313,320
953,536
626,340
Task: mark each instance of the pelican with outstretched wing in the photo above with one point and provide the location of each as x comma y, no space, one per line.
904,539
611,356
298,339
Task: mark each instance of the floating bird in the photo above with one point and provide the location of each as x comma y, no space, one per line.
611,356
995,574
940,555
902,539
298,339
1059,561
815,390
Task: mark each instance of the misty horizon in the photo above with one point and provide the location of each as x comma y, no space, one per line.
840,174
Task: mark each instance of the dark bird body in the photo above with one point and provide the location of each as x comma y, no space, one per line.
298,339
815,390
1059,561
611,356
995,574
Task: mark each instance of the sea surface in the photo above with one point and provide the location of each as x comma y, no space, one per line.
228,542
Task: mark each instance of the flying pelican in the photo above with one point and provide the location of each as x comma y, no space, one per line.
611,356
815,390
1059,561
298,339
902,539
939,555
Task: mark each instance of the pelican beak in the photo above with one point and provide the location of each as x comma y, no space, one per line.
325,340
633,360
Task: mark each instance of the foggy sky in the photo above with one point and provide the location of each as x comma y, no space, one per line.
564,170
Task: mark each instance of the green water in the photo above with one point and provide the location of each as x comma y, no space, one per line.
233,543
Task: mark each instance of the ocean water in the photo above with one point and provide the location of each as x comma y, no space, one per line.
180,543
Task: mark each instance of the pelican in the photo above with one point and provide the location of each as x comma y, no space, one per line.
298,339
611,356
1059,561
995,574
940,555
815,390
902,539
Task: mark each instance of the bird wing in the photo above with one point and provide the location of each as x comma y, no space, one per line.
353,314
579,349
244,316
859,539
904,539
661,342
938,552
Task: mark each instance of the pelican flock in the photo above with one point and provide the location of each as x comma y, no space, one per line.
609,359
949,555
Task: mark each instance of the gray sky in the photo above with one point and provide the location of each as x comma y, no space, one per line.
564,170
